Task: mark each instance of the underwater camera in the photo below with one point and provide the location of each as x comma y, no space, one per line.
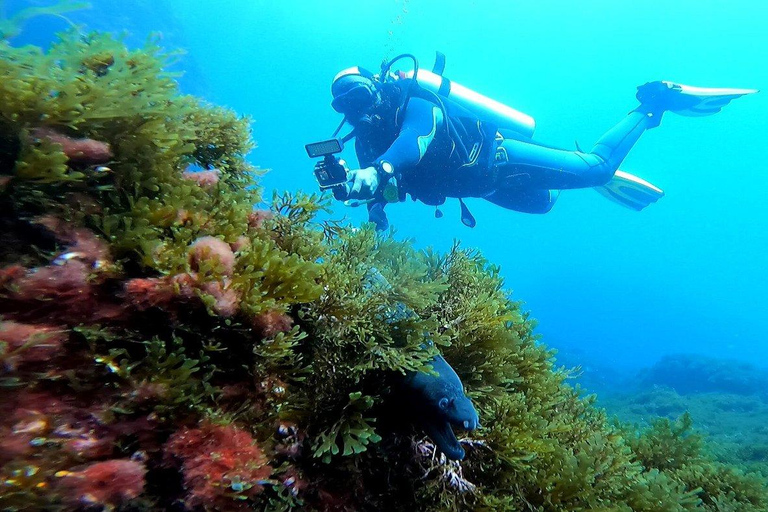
330,172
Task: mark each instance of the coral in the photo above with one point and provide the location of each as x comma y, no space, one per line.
107,484
222,466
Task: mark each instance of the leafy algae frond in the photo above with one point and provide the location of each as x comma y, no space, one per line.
11,27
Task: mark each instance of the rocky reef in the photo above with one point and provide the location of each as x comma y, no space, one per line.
690,374
726,400
166,346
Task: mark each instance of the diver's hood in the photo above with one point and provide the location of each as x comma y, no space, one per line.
354,92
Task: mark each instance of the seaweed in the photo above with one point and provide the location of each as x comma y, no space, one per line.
12,27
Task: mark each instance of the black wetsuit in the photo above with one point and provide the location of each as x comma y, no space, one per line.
433,162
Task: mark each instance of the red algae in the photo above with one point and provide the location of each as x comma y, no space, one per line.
26,416
108,484
67,289
29,343
257,218
269,323
145,293
11,273
186,284
82,243
241,243
226,299
62,291
36,423
17,433
206,179
82,151
210,249
221,465
66,281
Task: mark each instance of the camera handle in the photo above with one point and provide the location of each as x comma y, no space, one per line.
341,192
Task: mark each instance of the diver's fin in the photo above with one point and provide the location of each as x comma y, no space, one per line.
630,191
688,100
709,100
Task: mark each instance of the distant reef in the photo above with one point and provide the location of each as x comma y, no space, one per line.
726,400
687,374
734,425
166,345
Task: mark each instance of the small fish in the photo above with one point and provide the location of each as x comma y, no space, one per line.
64,258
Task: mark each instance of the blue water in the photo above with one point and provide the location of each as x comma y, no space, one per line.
617,287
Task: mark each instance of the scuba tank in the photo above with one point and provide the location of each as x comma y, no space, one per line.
485,108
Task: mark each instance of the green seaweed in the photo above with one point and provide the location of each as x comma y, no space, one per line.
12,27
351,433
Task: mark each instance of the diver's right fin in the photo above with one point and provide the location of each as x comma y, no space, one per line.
630,191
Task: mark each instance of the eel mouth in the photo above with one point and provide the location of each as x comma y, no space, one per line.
444,438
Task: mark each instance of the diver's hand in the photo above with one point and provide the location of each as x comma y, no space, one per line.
364,184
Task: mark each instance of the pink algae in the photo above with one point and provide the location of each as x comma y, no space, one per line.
206,179
269,323
221,465
213,250
83,151
29,343
108,484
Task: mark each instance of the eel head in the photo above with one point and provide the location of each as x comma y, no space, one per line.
440,405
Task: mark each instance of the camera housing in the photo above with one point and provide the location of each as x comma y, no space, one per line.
330,172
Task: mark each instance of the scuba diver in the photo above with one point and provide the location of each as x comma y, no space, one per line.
419,134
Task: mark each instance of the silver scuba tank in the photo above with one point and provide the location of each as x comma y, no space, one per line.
485,108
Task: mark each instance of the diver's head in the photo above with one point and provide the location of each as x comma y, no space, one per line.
355,94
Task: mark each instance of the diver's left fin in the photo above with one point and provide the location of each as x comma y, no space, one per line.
630,191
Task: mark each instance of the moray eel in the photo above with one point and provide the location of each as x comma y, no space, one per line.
439,403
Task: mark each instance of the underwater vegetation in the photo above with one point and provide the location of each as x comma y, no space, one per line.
726,400
166,345
10,27
734,425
